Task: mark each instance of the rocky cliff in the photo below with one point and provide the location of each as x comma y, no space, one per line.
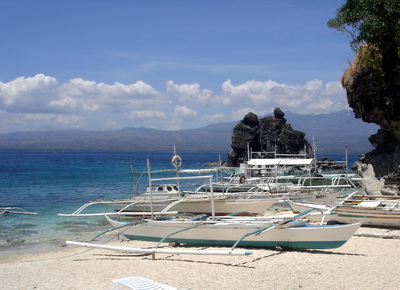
374,95
269,134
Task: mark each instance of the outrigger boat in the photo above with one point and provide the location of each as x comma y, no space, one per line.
261,232
168,199
285,231
294,171
370,210
223,204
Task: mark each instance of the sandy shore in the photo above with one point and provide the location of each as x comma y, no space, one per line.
362,263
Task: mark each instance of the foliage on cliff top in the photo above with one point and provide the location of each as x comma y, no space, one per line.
373,26
372,22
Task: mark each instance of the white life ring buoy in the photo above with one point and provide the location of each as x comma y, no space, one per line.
176,161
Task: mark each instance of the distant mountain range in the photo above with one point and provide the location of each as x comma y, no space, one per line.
332,132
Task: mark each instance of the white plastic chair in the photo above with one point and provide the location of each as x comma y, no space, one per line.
139,283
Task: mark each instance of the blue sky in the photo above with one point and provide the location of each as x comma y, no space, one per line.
100,65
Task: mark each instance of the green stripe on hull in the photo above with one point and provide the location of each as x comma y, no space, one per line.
366,216
258,244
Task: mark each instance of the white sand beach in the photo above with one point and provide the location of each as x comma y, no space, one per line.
362,263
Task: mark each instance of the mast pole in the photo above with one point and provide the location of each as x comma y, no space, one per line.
347,167
212,200
177,176
150,188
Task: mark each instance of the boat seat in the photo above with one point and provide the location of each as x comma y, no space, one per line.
139,283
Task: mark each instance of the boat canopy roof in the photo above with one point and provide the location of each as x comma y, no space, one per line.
282,161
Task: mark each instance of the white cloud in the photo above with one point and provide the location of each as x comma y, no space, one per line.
40,101
110,124
146,114
312,97
214,118
64,103
28,95
239,114
79,88
11,122
184,113
94,96
188,93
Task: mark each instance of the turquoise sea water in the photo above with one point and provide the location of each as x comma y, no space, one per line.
53,183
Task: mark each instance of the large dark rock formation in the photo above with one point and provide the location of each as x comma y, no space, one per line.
374,95
269,134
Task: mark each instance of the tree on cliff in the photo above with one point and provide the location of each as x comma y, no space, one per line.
372,22
374,28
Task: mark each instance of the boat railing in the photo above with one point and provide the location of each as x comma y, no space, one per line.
392,207
273,154
233,188
335,182
172,204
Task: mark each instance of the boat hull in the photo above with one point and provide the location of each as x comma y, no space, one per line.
141,206
203,206
228,233
346,214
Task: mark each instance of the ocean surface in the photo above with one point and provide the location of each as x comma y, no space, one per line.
52,183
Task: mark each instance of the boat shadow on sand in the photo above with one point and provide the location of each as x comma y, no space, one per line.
245,264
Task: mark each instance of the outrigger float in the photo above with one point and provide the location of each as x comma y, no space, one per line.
14,210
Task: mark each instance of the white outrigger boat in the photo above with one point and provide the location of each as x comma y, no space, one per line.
146,205
168,199
248,232
276,171
370,210
286,232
